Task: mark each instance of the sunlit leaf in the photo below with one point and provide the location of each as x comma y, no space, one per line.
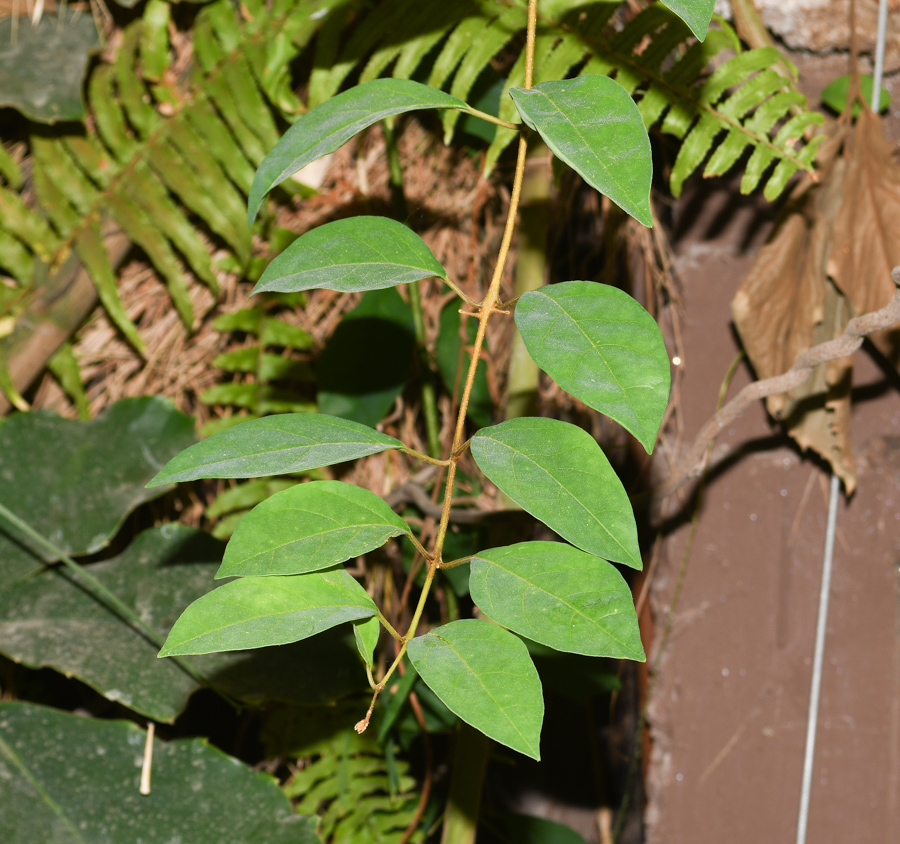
598,343
52,620
593,125
255,612
484,674
275,445
695,13
331,124
559,596
353,255
366,633
558,473
310,527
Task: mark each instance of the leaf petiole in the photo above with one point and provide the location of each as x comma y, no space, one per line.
425,458
491,119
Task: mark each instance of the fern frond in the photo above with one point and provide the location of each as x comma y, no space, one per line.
351,784
161,159
719,115
164,159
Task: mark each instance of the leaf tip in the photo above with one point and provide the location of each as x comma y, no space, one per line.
159,479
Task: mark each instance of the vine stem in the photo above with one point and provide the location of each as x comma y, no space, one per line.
487,308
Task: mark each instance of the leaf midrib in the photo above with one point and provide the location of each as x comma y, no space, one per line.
494,700
54,806
561,600
563,487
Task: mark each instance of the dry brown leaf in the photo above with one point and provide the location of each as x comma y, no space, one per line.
782,299
817,413
786,304
866,242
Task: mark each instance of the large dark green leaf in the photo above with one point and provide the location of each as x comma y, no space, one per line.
49,620
331,124
557,473
598,343
559,596
276,445
507,828
74,780
42,68
484,674
74,482
367,359
353,255
695,13
309,527
255,612
592,124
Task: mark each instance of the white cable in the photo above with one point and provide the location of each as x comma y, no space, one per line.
824,591
878,72
816,686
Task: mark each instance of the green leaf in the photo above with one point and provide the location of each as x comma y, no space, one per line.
559,596
836,91
600,345
42,68
695,13
276,445
275,332
484,674
154,44
364,366
50,620
331,124
366,633
353,255
558,473
75,482
65,368
593,125
507,828
255,612
309,527
197,792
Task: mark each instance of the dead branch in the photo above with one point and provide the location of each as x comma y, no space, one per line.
844,346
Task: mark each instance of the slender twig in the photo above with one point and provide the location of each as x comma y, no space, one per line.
425,458
453,563
147,765
485,311
844,346
491,119
460,292
387,625
419,547
416,494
